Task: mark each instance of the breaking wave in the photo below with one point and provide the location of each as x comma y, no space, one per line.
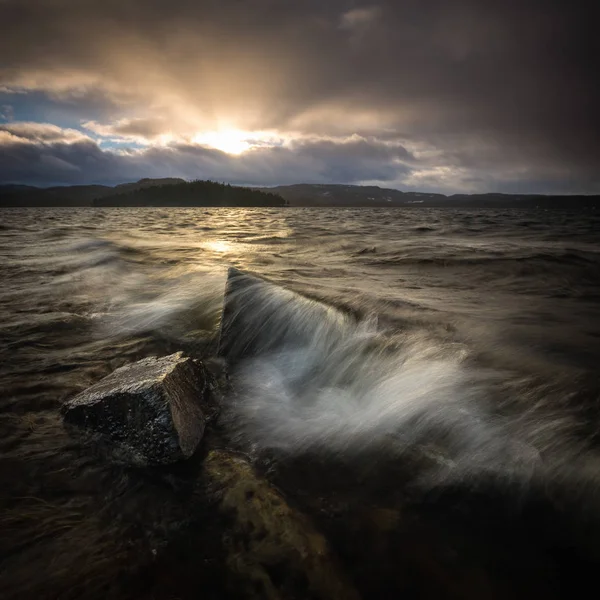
308,378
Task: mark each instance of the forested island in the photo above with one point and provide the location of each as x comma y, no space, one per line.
171,192
194,193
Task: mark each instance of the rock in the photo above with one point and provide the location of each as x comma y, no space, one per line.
272,549
260,317
151,412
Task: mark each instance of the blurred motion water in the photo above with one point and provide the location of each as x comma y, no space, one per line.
471,340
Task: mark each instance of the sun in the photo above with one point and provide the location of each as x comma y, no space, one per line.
230,141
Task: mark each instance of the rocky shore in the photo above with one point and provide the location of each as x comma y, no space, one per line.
228,522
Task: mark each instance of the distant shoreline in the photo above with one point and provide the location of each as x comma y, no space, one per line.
177,193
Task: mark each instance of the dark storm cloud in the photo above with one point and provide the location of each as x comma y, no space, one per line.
502,92
43,159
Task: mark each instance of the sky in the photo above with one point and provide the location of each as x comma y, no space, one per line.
446,96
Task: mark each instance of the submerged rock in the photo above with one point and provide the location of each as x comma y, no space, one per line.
151,412
272,549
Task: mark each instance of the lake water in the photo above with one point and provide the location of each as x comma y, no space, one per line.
472,354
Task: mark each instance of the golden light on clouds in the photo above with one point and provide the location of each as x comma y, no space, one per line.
237,141
230,141
265,92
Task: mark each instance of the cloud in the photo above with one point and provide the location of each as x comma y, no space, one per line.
477,84
137,130
29,153
24,132
44,156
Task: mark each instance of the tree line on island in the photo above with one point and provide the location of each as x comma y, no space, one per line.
193,193
171,192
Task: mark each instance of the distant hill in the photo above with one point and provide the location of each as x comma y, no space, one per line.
145,192
195,193
177,192
373,196
76,195
69,195
305,194
146,183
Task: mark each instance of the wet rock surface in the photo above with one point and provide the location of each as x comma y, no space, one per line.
151,412
272,549
238,521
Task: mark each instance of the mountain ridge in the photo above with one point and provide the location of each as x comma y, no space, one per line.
301,195
332,195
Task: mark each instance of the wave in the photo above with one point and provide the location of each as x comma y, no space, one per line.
310,379
562,258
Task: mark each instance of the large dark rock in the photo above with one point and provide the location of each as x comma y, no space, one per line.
151,412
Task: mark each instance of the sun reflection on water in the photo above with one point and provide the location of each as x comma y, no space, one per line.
219,246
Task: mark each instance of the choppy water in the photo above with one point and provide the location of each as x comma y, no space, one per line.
471,344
